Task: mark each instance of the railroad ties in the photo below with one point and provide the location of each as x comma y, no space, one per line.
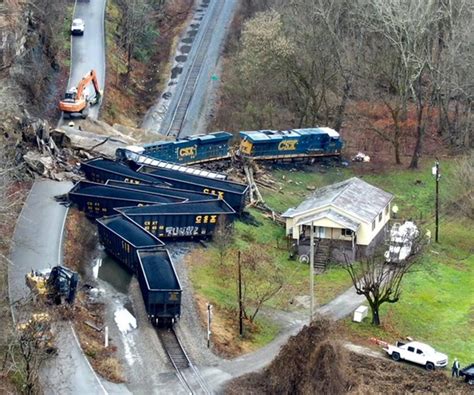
187,373
175,120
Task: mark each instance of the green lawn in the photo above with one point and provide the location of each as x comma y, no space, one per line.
437,303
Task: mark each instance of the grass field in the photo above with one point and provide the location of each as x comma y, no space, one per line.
437,304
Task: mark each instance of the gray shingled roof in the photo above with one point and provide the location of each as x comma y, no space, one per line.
354,196
333,216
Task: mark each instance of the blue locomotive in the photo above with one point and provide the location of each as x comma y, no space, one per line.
192,149
259,145
290,144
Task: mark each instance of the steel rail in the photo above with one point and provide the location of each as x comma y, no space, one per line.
193,73
180,360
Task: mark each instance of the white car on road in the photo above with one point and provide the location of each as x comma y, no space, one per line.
419,353
78,27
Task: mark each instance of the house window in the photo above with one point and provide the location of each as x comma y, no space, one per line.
380,217
346,232
373,224
387,209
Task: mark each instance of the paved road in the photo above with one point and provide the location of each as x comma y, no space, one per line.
37,235
37,244
88,51
338,308
37,240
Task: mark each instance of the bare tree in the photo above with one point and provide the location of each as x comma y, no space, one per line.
222,237
402,43
137,27
381,281
454,72
262,279
30,345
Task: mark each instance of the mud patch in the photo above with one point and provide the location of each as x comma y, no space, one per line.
185,48
175,71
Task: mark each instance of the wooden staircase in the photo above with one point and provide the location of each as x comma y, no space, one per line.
322,254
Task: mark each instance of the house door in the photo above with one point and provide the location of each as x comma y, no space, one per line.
320,232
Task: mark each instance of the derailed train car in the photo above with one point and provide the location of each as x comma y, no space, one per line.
160,286
98,200
233,193
182,220
290,144
123,239
100,170
163,190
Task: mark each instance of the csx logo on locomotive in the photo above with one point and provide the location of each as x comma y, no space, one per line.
287,145
187,151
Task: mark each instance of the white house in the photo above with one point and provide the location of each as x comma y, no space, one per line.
349,218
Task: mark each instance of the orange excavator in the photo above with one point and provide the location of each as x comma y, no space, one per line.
77,99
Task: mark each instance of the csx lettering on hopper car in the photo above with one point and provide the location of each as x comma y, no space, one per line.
259,145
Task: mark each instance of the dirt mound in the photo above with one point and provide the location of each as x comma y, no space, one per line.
315,362
310,363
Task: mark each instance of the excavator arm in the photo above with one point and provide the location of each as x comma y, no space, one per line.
86,80
75,102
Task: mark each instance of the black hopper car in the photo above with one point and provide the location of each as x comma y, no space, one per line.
135,210
163,190
98,200
123,239
232,192
180,220
160,287
100,170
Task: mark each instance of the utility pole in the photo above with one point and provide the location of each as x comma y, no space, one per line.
209,313
241,312
311,273
435,172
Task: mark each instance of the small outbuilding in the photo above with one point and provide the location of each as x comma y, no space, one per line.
349,219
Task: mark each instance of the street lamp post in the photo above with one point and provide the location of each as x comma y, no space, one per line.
435,172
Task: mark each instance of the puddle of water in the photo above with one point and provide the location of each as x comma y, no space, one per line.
187,40
185,48
181,58
192,33
112,272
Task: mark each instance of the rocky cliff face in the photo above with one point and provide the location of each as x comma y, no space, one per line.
13,32
31,41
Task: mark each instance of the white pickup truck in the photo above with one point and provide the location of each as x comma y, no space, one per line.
419,353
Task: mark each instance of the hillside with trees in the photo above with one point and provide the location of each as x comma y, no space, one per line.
394,77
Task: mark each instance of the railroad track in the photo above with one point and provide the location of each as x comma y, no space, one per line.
188,375
180,110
